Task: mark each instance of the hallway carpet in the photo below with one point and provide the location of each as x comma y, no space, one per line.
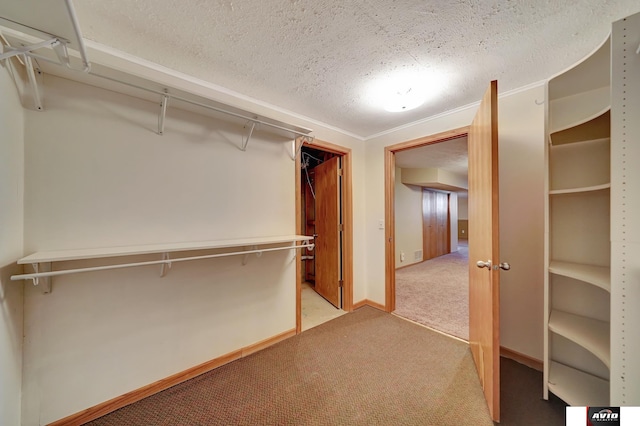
435,293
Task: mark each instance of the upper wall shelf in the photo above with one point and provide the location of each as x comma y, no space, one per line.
48,28
593,72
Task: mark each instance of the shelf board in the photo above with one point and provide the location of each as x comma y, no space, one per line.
93,253
576,387
599,276
591,334
597,126
581,189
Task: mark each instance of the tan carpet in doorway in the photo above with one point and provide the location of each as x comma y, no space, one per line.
435,293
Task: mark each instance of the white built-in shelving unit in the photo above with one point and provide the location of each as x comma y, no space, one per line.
592,244
577,337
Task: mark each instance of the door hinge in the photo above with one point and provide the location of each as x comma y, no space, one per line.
339,172
341,283
341,227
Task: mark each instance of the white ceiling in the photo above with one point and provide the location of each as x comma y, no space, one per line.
320,58
450,155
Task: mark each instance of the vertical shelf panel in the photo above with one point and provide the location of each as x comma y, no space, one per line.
625,201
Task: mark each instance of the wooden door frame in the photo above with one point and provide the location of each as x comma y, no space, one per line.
389,198
347,226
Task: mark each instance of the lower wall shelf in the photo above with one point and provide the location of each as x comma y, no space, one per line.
591,334
576,387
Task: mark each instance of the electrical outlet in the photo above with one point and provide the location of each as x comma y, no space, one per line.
381,224
401,256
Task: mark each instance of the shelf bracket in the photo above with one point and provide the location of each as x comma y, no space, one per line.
245,141
165,265
309,244
298,147
43,282
163,113
60,49
245,258
35,89
10,51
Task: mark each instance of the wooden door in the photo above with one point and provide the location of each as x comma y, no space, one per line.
484,282
327,218
442,218
435,224
429,225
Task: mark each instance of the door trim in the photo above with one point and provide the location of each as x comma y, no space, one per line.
347,235
389,210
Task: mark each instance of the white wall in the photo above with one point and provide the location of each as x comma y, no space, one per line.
98,175
408,217
11,229
521,133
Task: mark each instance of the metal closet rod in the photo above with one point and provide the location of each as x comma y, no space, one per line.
166,261
180,98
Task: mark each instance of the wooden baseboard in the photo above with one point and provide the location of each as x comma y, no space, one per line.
536,364
411,264
367,302
118,402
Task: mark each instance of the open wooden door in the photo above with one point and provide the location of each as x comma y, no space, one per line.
484,253
328,221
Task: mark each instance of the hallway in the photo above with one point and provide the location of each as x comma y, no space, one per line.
435,293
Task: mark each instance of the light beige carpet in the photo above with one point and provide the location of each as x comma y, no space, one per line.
435,293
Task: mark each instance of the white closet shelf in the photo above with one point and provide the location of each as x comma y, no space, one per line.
583,128
599,276
580,189
94,253
42,261
576,387
590,333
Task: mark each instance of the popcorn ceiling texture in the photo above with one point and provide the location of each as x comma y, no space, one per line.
319,58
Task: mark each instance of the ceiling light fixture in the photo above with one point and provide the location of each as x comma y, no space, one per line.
404,99
406,91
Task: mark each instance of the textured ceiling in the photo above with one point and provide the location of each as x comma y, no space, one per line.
450,155
321,58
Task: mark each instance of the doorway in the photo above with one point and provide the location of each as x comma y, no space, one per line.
431,266
390,216
324,211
